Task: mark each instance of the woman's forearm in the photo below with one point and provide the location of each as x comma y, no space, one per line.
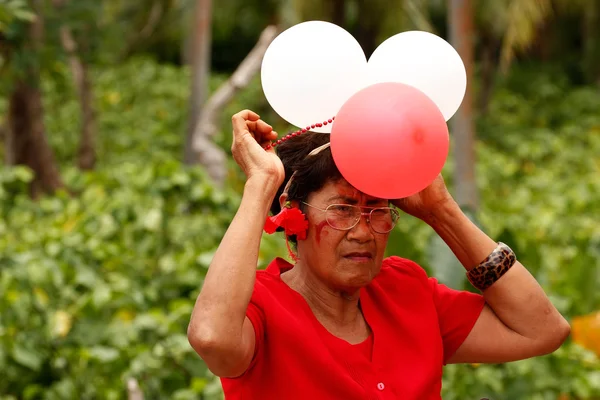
221,306
516,298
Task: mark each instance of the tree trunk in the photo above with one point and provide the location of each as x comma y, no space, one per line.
87,154
26,139
591,42
489,60
208,154
27,144
200,59
460,21
338,12
445,266
368,27
87,148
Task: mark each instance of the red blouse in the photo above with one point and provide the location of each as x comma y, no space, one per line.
417,325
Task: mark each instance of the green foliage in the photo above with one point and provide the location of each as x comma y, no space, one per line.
539,170
99,287
141,109
571,372
14,10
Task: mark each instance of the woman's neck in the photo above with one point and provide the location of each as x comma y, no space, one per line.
337,310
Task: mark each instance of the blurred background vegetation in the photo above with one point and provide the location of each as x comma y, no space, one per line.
118,184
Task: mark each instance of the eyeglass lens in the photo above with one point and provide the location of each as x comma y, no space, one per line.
344,217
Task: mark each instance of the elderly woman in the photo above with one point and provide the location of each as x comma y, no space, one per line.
342,322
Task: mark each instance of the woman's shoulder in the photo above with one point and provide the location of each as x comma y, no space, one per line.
401,271
268,281
272,273
399,265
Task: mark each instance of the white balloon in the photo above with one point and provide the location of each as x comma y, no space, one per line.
424,61
310,70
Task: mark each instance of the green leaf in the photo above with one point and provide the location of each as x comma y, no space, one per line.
101,295
33,392
24,15
27,357
103,354
153,220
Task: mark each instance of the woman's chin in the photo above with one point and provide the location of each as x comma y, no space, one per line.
357,273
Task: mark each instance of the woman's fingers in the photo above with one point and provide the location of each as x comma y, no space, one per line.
240,119
248,122
267,140
261,130
249,115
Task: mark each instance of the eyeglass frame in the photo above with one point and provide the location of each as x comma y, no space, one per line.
368,214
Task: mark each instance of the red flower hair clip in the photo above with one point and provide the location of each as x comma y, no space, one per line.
292,220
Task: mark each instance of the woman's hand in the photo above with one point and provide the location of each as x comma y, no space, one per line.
250,135
426,204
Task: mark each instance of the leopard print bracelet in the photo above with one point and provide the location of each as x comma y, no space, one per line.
493,267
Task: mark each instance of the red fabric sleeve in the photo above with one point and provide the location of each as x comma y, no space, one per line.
257,317
457,313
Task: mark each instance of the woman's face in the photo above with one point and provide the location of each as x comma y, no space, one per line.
346,260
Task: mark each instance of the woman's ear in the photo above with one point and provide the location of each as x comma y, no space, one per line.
283,201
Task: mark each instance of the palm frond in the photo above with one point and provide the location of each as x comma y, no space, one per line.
523,17
417,12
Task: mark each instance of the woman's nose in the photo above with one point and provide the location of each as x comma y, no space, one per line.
363,227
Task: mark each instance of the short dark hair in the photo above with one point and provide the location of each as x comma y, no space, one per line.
312,172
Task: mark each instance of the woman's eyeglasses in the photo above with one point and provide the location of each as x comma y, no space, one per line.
344,217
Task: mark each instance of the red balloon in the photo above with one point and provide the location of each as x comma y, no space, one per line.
390,140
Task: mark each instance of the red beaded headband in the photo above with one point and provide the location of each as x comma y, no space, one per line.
299,132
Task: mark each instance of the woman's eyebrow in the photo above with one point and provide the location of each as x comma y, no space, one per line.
344,198
351,200
377,201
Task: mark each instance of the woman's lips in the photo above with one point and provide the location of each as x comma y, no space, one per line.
359,257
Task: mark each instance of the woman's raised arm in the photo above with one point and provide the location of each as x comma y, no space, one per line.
518,321
219,330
